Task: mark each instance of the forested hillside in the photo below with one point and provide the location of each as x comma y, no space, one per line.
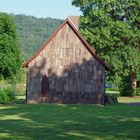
33,32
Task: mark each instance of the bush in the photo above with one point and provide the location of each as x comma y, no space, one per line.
127,91
7,95
126,88
111,98
138,91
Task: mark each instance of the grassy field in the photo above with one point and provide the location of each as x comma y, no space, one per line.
69,122
129,99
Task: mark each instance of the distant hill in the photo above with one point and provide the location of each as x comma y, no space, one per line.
33,32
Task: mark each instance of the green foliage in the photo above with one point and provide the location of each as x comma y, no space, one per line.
112,27
138,80
7,95
138,91
126,89
111,98
10,55
33,32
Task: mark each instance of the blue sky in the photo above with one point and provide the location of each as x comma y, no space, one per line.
40,8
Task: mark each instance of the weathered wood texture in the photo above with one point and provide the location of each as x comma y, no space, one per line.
74,75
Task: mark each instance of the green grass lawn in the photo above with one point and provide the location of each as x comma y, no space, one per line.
129,99
69,122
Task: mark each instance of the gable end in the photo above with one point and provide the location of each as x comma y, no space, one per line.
86,44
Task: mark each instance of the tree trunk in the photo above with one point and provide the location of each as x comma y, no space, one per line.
133,81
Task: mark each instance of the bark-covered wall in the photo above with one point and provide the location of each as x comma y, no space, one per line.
74,75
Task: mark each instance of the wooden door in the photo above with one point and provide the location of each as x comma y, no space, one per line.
44,86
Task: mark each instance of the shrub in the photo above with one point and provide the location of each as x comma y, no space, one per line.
7,95
126,88
111,98
127,91
138,91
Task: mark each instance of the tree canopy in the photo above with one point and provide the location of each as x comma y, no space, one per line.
10,55
112,27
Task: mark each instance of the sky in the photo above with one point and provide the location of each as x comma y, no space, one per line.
40,8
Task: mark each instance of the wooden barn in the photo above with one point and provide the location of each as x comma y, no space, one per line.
66,69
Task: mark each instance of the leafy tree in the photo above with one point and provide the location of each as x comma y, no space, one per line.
10,56
112,27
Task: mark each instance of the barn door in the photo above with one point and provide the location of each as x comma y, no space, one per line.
44,86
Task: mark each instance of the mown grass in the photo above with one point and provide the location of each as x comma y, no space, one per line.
69,122
129,99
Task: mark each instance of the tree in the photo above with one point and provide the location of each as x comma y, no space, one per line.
112,27
10,55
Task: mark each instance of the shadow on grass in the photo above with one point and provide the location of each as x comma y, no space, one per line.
69,122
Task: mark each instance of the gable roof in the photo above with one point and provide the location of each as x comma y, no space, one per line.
75,30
